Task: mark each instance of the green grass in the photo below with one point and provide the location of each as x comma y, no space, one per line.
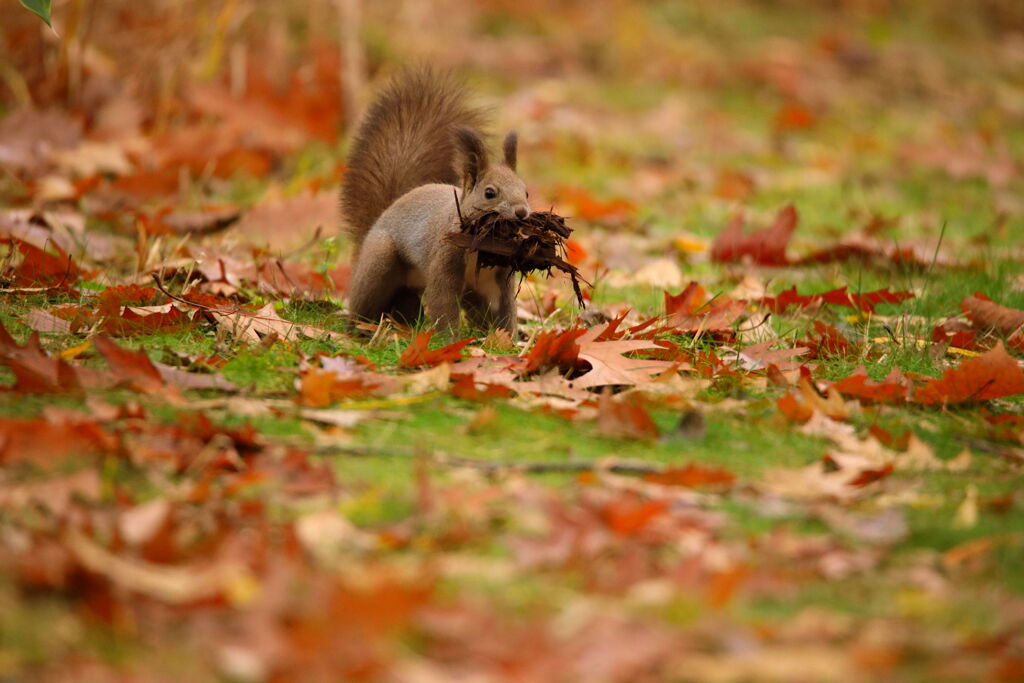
858,140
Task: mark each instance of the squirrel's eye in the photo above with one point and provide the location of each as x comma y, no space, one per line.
490,193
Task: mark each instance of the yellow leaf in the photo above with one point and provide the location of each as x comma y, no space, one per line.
75,351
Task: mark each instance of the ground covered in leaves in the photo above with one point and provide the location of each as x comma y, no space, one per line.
782,442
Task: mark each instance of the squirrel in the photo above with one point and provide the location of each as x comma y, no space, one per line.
417,162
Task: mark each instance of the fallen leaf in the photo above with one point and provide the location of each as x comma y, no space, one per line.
629,517
173,585
764,247
553,349
894,388
608,365
130,367
990,315
991,375
416,354
44,321
624,417
794,116
693,476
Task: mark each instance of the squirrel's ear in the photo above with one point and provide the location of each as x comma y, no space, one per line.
472,156
509,148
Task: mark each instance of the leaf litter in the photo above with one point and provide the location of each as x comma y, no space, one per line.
203,460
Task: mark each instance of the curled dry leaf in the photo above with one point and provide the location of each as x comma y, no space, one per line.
800,407
987,314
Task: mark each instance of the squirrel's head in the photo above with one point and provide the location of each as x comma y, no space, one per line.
490,186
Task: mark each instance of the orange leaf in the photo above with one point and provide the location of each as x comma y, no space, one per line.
417,354
465,387
731,184
991,375
590,208
794,116
629,517
800,407
868,476
795,410
39,268
624,418
686,302
724,585
693,476
554,349
574,252
320,388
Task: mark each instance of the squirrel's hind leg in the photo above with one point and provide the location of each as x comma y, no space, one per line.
378,275
405,306
446,277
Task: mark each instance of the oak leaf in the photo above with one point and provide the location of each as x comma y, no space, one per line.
608,365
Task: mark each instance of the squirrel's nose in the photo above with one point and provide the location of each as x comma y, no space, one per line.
521,212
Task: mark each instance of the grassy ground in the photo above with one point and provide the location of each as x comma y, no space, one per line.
946,590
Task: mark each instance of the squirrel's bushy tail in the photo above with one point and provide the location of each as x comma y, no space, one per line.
405,140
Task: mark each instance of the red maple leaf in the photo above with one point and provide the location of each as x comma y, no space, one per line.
955,333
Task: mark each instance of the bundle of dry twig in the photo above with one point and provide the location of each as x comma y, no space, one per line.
536,242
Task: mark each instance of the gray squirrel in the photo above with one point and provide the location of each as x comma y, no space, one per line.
419,147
